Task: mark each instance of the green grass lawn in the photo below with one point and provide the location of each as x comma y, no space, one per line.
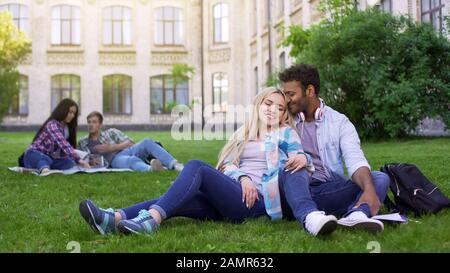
40,214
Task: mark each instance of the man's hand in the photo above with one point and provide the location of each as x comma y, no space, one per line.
363,178
84,164
104,148
249,192
295,163
370,198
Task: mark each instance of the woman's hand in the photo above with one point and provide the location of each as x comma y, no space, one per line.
295,163
249,192
84,164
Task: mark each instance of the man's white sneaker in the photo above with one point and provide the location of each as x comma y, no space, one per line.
317,223
359,220
178,167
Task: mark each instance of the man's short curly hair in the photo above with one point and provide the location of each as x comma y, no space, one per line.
304,73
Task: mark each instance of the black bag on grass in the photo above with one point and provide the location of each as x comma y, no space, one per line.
413,192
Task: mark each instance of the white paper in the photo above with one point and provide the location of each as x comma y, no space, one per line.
393,217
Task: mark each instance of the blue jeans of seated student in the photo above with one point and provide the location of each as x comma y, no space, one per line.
134,156
338,196
37,160
202,192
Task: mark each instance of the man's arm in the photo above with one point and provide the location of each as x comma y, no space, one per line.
363,179
357,166
109,148
121,142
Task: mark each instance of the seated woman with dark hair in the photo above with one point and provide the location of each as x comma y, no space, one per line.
53,146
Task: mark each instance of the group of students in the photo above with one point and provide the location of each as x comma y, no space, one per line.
284,162
53,147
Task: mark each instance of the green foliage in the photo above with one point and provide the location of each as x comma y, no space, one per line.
385,73
14,47
181,73
273,80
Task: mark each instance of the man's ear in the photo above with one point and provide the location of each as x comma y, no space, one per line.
310,91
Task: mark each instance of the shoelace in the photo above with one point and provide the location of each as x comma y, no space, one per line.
143,214
111,210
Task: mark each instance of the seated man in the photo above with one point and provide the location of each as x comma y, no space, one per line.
120,151
330,138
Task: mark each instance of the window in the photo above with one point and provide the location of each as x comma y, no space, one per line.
220,92
221,28
169,26
432,13
164,95
117,25
19,103
66,25
65,86
19,14
386,5
117,94
282,61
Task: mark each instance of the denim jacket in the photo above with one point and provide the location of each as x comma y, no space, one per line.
337,141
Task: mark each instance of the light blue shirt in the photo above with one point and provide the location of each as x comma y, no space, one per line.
337,140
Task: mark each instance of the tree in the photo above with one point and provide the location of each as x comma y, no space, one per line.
180,73
385,73
14,47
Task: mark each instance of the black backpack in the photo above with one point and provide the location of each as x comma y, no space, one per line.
413,192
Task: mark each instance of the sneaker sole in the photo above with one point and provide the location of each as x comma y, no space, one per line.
88,216
127,231
371,227
327,228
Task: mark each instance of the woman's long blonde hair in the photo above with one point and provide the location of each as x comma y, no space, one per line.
250,130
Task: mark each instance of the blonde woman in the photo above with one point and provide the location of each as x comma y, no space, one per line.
258,175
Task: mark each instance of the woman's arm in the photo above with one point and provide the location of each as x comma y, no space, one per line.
57,137
229,168
291,142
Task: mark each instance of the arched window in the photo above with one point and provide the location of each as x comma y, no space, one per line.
19,103
164,95
117,94
220,91
65,86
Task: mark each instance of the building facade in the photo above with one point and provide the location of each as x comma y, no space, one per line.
115,56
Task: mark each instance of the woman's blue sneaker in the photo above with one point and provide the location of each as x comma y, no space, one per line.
100,220
142,224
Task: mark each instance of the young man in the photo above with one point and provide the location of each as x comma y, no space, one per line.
330,138
121,152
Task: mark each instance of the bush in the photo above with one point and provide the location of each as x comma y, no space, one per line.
385,73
